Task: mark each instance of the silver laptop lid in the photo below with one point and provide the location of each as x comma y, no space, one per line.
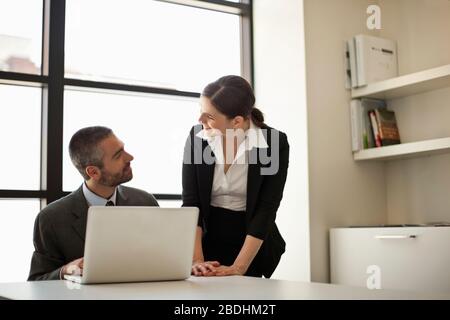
134,244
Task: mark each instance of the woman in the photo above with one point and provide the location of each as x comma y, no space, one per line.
234,171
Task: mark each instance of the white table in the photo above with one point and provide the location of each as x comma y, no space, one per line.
201,288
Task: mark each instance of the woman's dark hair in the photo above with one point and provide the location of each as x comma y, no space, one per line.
233,96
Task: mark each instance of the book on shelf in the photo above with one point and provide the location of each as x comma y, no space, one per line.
362,136
387,127
375,130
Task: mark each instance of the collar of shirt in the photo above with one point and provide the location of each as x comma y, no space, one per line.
94,199
254,138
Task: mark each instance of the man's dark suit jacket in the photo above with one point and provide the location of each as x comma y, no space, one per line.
60,228
264,192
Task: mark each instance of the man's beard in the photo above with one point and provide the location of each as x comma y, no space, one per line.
113,180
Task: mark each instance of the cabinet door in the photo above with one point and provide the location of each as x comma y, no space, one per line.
415,259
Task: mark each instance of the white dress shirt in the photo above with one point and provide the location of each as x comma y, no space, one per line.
94,199
229,190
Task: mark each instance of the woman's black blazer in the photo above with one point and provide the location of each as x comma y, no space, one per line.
265,184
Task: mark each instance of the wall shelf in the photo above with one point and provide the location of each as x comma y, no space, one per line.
405,150
410,84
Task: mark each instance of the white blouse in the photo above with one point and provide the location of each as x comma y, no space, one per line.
229,190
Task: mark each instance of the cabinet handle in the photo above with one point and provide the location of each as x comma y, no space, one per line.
396,236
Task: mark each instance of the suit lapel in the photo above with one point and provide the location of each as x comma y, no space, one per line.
254,180
121,197
80,209
254,177
206,172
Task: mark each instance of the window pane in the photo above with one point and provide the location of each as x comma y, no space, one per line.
151,43
21,35
170,203
20,132
154,129
16,238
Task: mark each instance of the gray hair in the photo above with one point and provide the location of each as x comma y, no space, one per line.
83,148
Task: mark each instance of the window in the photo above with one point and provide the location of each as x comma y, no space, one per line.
136,66
16,238
20,36
150,43
154,129
20,130
170,203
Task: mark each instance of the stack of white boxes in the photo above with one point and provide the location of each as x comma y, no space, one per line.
371,59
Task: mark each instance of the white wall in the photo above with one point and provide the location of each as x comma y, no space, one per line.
418,189
342,192
280,93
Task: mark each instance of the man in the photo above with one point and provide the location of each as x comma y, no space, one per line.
59,230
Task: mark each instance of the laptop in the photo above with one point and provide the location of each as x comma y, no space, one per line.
138,244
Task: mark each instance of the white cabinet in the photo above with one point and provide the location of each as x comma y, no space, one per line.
408,258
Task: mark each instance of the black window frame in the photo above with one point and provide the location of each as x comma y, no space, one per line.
52,80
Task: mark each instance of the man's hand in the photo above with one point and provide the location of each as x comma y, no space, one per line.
73,268
204,268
